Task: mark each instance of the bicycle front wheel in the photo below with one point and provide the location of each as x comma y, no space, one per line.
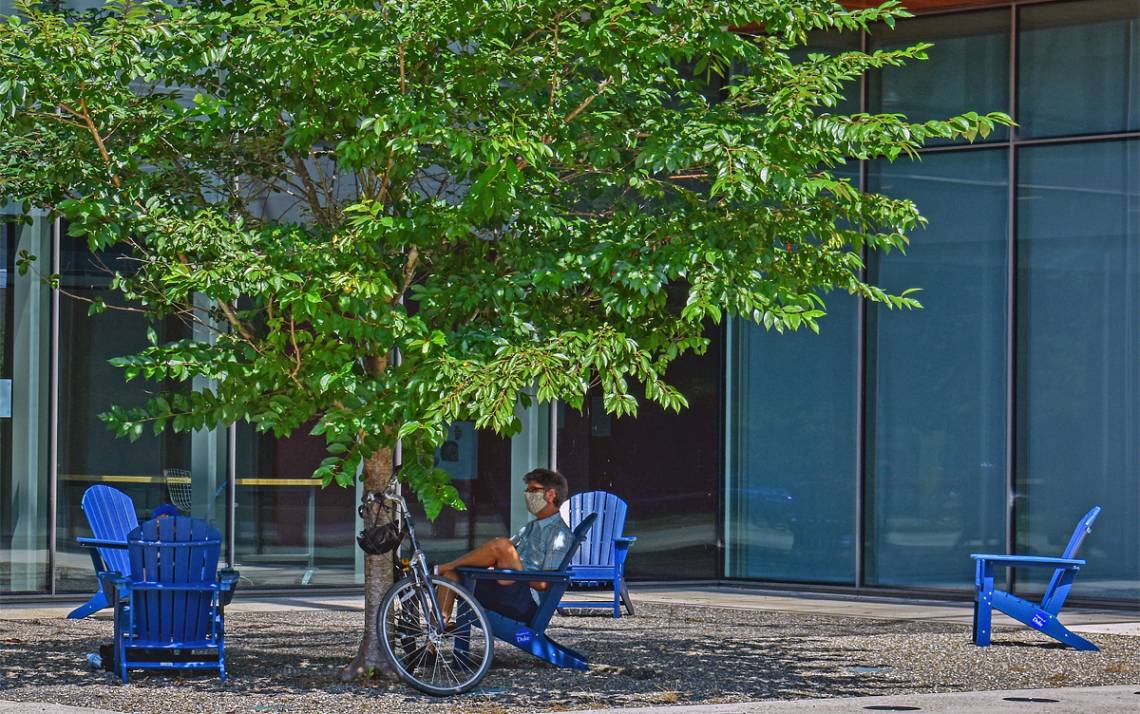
439,661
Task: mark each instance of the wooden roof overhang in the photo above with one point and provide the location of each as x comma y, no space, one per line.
921,6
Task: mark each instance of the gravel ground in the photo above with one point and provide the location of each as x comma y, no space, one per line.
286,662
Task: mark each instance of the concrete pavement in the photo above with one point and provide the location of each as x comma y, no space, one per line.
1077,700
38,708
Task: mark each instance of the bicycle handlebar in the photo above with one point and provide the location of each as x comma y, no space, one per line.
390,494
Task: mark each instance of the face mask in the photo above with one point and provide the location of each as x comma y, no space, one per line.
535,501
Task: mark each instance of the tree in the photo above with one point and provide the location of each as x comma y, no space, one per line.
521,200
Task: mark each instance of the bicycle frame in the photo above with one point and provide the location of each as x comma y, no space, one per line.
426,651
417,564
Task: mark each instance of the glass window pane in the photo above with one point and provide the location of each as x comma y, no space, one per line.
290,531
1078,352
1079,68
832,43
790,499
665,465
936,376
25,311
11,508
479,463
967,69
88,452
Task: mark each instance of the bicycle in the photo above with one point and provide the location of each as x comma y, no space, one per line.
430,650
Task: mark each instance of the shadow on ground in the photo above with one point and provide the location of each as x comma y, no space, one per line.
287,662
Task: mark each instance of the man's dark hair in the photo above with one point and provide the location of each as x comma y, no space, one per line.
550,479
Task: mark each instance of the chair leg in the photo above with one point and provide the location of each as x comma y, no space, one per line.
222,658
625,597
120,654
1031,615
558,655
97,602
121,660
1064,635
983,605
617,598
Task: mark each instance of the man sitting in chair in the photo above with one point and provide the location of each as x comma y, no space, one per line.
539,545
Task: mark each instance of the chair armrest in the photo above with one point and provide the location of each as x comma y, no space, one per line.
101,543
187,587
1029,561
522,576
228,582
114,586
621,550
112,576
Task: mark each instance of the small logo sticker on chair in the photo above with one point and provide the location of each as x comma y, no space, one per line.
1039,619
522,636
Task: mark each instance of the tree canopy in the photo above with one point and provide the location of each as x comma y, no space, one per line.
521,199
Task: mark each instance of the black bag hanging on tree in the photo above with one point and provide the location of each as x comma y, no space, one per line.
377,539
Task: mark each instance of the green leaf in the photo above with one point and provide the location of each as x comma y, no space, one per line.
371,221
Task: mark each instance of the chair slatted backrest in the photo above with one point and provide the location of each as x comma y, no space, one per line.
111,515
1056,593
175,550
599,546
580,533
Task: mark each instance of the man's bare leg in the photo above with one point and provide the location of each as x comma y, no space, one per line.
498,553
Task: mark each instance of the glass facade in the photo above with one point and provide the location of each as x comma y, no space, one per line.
995,417
9,508
878,454
665,466
25,309
288,530
480,467
966,68
1078,349
88,452
833,43
791,492
935,400
292,532
1079,68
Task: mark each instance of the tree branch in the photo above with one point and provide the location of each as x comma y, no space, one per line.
309,188
409,273
235,323
588,100
85,115
403,74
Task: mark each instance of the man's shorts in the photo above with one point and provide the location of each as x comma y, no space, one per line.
513,601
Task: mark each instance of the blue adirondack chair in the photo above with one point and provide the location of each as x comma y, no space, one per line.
168,606
111,515
601,559
530,636
1043,615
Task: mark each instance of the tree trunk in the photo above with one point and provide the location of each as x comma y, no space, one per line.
369,660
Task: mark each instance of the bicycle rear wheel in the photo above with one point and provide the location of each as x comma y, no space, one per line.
438,663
